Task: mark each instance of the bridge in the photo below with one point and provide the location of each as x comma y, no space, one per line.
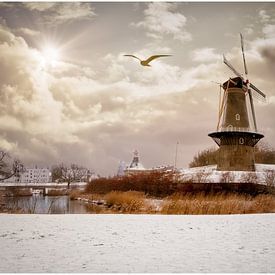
24,188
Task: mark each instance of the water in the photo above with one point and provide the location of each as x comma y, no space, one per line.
39,204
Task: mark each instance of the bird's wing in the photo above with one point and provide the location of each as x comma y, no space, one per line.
132,56
156,56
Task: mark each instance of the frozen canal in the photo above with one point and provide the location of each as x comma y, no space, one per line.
137,243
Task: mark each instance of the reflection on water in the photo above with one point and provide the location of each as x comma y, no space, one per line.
39,204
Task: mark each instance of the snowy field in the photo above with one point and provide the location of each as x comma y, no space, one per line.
212,175
137,243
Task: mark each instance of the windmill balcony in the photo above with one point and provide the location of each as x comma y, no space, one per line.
234,129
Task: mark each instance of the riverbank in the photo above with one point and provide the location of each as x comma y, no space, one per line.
137,243
132,202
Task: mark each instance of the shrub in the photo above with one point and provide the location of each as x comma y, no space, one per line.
249,177
130,201
205,157
269,178
74,194
264,154
154,183
200,177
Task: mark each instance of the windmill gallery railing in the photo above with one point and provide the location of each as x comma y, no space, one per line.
234,129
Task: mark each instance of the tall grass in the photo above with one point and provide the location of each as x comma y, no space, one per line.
218,204
75,194
189,204
126,202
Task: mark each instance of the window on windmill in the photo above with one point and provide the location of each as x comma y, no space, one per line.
237,116
230,127
241,140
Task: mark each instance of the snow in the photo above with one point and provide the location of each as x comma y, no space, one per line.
137,243
264,167
212,175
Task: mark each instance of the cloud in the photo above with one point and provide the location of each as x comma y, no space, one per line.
64,114
248,30
39,6
205,55
269,53
264,17
162,19
27,31
269,30
59,13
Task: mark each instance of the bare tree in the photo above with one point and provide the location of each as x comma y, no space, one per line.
249,177
201,177
227,177
69,174
9,167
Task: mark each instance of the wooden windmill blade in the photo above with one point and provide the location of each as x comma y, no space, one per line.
226,62
252,109
244,62
248,85
246,71
257,90
258,96
221,103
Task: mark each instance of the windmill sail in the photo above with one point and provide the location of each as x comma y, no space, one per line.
226,62
244,62
252,109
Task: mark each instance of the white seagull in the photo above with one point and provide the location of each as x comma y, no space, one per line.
148,60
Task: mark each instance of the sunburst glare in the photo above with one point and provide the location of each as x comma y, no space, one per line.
50,56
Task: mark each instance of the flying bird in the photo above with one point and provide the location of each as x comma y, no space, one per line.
148,60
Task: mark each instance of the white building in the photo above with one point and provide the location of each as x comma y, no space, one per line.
36,175
137,168
32,175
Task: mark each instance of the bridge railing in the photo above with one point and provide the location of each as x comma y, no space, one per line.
40,184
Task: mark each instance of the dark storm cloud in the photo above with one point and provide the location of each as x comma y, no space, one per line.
269,54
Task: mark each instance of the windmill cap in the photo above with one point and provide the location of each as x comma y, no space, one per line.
236,82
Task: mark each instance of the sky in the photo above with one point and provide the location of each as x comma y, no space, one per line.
69,95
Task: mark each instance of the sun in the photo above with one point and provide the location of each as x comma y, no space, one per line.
50,56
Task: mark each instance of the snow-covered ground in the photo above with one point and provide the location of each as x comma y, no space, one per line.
137,243
212,175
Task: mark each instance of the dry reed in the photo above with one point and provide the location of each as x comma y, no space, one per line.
75,194
218,204
126,202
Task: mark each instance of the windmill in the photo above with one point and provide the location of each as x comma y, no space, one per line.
236,135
